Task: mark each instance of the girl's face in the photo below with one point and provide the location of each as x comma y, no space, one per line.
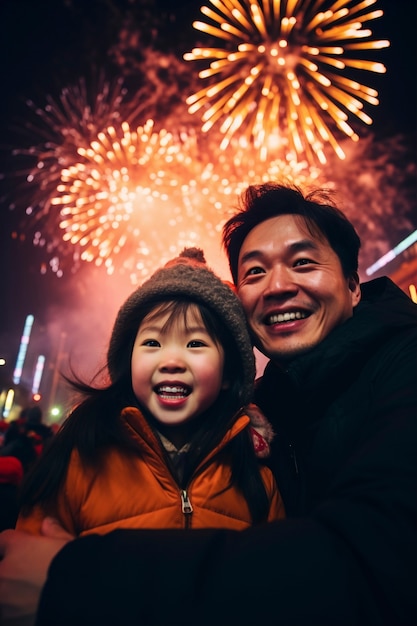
177,368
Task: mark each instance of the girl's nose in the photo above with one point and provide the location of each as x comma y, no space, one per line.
172,362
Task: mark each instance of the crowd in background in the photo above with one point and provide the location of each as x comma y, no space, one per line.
22,441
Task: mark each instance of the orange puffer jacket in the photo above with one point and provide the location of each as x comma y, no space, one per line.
132,491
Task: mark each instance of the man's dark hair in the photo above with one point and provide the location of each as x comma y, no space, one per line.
262,202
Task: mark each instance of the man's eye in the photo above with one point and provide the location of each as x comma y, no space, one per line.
255,270
195,343
303,262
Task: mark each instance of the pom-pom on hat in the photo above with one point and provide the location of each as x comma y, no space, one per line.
186,276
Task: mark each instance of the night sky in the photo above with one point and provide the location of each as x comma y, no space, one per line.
45,46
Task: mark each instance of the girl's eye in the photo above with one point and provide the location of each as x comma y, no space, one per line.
195,343
151,343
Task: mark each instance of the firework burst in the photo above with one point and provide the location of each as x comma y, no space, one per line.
126,197
109,198
95,179
136,197
63,125
218,178
286,72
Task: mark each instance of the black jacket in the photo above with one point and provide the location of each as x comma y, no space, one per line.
345,458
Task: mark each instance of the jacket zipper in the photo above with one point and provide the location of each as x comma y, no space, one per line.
186,507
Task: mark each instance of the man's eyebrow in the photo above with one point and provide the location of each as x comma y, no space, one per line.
296,246
253,254
303,244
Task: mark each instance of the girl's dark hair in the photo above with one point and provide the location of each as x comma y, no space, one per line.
262,202
95,424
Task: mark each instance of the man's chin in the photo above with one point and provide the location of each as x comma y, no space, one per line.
283,356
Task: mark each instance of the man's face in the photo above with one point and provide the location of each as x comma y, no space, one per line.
292,287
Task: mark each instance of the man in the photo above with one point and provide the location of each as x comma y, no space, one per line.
340,391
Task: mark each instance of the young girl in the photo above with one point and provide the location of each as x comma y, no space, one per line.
165,444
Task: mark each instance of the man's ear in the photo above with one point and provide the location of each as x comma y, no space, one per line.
355,288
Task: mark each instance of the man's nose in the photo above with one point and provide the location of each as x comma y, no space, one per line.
280,281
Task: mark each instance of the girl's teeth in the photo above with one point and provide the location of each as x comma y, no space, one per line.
171,391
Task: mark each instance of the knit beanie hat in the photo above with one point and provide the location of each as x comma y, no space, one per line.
186,276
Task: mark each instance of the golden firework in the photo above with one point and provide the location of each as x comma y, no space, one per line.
113,199
287,71
136,196
127,197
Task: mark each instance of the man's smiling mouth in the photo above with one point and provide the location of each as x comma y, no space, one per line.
279,318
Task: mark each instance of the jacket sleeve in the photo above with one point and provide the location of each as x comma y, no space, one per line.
32,522
350,562
61,508
276,507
